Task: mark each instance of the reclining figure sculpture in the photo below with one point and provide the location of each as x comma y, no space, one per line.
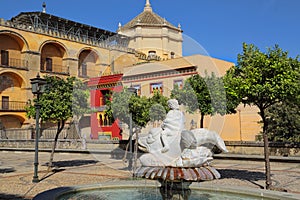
172,146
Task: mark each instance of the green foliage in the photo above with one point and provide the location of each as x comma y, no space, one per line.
200,89
266,80
159,99
119,106
30,109
158,107
186,96
284,122
139,107
123,103
217,94
61,100
206,94
80,94
157,112
232,96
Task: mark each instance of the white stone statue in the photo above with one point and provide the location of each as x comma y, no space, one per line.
173,123
171,145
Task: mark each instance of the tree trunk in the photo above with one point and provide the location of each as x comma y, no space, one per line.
202,120
266,151
60,126
78,131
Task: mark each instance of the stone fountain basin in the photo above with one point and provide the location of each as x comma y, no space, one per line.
133,185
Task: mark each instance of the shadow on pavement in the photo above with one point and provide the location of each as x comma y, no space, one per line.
11,197
54,171
4,170
246,175
242,174
71,163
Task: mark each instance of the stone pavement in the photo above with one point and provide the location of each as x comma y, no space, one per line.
16,172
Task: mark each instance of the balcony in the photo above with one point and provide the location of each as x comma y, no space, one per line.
15,63
10,106
54,69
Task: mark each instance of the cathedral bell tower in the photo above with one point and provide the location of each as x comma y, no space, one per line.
153,35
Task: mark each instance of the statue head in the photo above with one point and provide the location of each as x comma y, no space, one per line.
173,104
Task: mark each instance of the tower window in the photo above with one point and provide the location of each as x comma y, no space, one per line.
172,55
152,55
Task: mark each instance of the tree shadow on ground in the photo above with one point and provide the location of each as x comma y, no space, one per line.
58,166
246,175
71,163
12,197
4,170
242,174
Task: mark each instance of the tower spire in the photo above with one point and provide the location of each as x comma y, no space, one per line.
147,6
44,7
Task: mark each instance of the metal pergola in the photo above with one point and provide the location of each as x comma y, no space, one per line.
61,26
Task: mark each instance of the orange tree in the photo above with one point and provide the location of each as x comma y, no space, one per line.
62,100
264,79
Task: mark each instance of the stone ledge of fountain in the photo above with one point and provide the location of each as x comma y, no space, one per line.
56,193
263,193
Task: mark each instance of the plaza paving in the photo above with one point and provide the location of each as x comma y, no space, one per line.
16,172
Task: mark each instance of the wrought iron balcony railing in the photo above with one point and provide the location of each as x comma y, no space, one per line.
15,63
55,69
12,105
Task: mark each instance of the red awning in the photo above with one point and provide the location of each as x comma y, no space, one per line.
97,81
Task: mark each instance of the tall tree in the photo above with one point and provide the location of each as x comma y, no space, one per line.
264,79
206,94
61,100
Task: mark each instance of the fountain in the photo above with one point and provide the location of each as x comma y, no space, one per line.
177,157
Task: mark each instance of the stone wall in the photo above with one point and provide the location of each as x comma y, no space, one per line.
234,147
257,148
43,144
72,144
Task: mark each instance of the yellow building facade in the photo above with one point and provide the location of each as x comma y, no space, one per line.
147,51
29,47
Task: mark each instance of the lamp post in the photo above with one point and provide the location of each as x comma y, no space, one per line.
37,89
131,90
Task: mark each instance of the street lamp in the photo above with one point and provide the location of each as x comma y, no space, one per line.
37,87
131,90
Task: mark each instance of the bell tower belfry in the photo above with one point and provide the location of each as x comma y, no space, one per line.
153,35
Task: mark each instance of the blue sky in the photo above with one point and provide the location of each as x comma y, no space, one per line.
215,27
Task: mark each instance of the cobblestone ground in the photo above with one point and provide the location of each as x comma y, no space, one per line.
16,172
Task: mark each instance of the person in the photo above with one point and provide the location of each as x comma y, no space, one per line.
173,124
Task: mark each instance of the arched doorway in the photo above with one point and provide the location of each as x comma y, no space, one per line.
11,121
11,47
87,63
52,58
